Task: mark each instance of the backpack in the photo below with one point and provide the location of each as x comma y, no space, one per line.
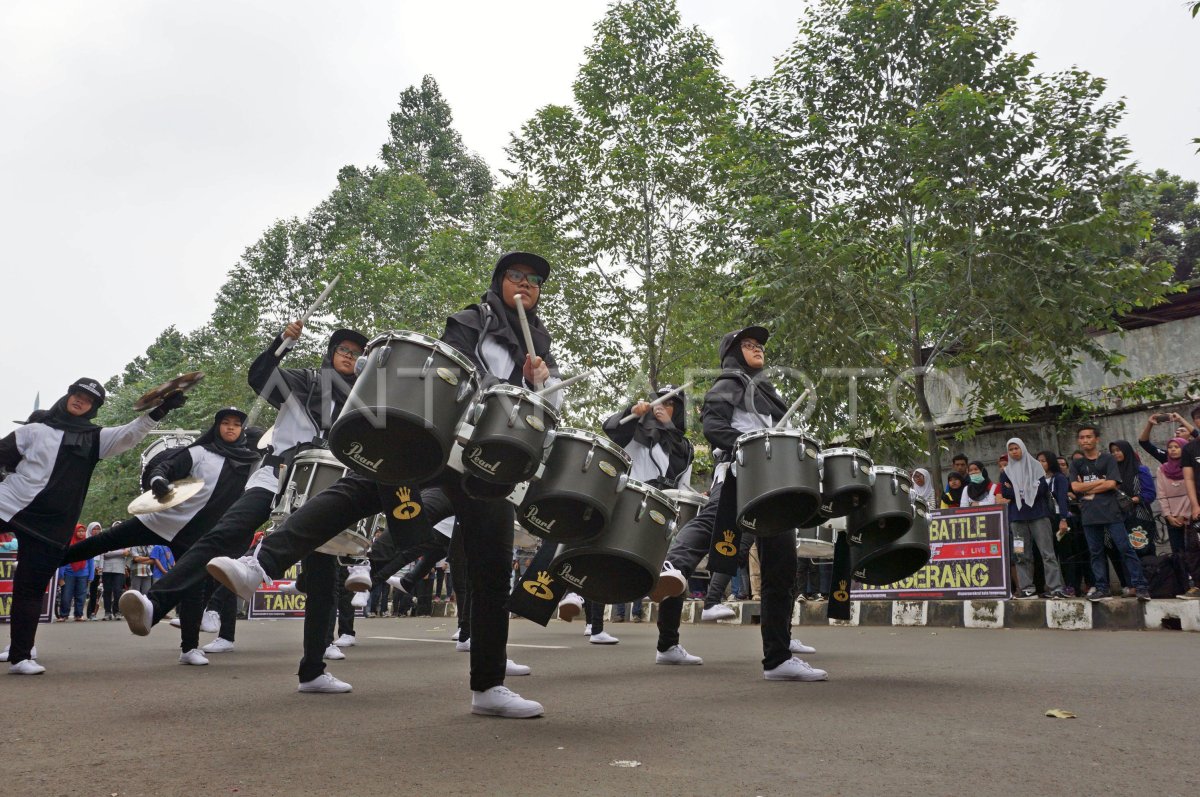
1165,575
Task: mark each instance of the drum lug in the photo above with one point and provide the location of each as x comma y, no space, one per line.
767,448
360,365
465,390
425,368
671,529
512,416
474,412
895,485
382,358
740,457
587,461
641,508
622,480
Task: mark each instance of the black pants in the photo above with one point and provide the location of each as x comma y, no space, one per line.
777,559
93,601
229,537
487,528
320,582
133,532
37,561
225,604
462,585
425,566
389,561
594,611
114,585
345,608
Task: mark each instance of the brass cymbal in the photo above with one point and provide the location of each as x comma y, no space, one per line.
180,384
182,490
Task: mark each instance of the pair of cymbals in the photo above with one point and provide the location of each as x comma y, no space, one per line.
157,395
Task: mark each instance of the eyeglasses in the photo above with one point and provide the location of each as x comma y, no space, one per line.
753,345
349,352
517,277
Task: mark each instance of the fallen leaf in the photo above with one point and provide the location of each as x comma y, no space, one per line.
1059,713
625,764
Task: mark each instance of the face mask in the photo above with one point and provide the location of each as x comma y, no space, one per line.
977,478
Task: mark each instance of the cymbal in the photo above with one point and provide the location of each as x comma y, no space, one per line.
180,384
181,491
265,440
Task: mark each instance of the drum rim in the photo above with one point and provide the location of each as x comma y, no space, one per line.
575,433
520,392
317,454
747,437
653,492
428,342
892,470
846,451
689,497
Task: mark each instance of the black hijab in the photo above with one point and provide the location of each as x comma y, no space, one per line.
978,491
953,495
763,395
78,430
649,430
1128,468
240,456
326,398
509,328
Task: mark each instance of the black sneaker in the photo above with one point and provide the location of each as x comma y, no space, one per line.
1027,595
1095,595
1143,595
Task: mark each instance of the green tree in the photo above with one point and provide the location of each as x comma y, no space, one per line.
911,196
1175,236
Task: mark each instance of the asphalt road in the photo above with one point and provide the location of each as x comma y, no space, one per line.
905,711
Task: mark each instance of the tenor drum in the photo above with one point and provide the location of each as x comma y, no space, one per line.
778,480
352,542
818,542
311,472
513,427
165,442
845,480
623,561
888,513
689,502
398,424
878,562
578,490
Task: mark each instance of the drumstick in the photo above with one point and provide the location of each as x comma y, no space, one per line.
289,342
525,331
655,403
566,383
792,409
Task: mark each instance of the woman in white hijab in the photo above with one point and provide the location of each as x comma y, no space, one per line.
923,487
1029,513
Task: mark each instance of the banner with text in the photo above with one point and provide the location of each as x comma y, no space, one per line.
968,560
270,602
8,565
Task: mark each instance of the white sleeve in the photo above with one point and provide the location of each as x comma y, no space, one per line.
555,398
119,439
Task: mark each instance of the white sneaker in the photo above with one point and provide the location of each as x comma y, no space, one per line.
676,655
463,647
670,584
288,588
176,622
345,641
587,630
360,600
396,582
138,611
359,579
570,607
797,646
512,668
718,612
603,638
334,653
193,656
243,576
32,653
795,669
454,636
27,667
210,622
325,683
218,645
499,701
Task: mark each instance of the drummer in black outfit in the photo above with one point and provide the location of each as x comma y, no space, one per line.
487,333
741,400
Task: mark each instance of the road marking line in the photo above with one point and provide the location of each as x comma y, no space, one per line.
451,642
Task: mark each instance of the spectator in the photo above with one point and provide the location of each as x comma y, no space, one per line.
1063,465
1069,547
74,579
8,542
140,577
1095,478
618,612
1171,486
1030,498
955,486
161,560
981,490
1002,463
959,465
93,602
923,487
1138,484
112,574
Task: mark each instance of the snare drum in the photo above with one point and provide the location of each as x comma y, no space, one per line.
818,543
353,542
513,427
398,423
623,561
778,480
888,513
845,480
689,502
877,561
311,472
578,490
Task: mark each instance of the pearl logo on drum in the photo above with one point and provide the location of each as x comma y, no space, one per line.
540,586
565,574
354,452
475,457
531,515
749,523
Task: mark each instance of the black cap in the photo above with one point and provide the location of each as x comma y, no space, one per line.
224,413
340,335
754,333
89,387
536,262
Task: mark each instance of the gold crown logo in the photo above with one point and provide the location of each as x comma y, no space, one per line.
543,577
729,535
403,493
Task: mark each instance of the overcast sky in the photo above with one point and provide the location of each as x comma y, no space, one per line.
144,145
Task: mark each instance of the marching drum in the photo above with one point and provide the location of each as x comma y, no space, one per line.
398,423
888,513
513,427
845,480
578,490
778,480
165,442
353,542
817,543
623,561
877,561
689,502
312,471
